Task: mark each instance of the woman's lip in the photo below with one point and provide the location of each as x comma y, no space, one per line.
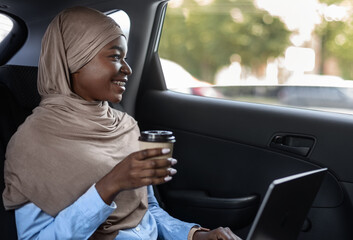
119,82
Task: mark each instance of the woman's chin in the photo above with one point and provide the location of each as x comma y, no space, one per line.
115,99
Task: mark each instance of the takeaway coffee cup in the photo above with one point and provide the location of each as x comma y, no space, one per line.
157,139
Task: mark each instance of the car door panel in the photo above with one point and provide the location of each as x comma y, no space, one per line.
224,151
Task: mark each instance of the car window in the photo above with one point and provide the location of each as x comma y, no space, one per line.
13,34
5,26
122,19
282,52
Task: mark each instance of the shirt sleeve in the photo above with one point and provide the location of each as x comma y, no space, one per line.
78,221
168,227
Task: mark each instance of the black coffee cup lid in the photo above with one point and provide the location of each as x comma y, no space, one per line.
157,136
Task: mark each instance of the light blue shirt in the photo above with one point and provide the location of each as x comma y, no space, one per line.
82,218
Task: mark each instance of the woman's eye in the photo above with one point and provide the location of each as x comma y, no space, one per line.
116,57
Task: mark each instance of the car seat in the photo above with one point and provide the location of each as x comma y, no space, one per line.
18,97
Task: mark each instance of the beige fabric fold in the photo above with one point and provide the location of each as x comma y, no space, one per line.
68,143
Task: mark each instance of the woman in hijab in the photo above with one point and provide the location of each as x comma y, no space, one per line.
73,169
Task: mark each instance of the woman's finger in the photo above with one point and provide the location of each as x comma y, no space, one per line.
223,234
163,163
159,163
154,180
149,153
157,173
232,234
226,234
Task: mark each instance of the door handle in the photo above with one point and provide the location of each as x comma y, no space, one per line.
300,145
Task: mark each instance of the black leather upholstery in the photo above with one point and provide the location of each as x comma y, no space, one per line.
18,97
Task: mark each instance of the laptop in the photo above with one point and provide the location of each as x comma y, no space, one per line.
285,206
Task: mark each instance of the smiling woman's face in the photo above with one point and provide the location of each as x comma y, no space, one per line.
105,76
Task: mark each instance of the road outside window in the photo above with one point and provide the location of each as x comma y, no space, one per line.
290,53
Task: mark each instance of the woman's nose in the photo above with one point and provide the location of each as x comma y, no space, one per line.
126,69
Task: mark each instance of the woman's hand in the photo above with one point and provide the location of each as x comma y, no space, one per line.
136,170
216,234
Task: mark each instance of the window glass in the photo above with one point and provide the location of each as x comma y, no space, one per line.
121,18
283,52
5,26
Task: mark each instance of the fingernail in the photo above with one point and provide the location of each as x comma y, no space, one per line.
168,178
172,171
165,150
173,161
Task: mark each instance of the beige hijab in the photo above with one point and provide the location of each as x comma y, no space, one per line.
68,144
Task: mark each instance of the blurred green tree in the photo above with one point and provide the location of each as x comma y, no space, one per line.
336,43
204,38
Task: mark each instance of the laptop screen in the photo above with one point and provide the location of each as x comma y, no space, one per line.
285,206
